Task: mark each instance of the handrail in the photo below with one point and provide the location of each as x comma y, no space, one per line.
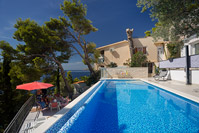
19,118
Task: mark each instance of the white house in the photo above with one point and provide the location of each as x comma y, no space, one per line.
177,66
193,43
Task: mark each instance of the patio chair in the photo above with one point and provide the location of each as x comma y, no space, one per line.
163,75
54,105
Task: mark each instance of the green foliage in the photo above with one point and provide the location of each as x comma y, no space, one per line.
84,78
7,50
39,62
174,49
93,79
78,26
112,65
92,52
75,80
76,12
50,77
147,33
69,77
138,59
12,73
179,18
45,45
44,39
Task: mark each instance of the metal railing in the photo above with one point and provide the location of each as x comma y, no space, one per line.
19,118
104,73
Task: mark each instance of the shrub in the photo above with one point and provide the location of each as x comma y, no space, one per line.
138,60
93,79
112,65
75,80
174,49
69,77
84,78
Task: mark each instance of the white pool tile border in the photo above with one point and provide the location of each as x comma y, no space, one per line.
45,126
182,94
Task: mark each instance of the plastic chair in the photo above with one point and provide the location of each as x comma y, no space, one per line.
54,105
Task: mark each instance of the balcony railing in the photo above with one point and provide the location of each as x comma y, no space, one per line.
21,115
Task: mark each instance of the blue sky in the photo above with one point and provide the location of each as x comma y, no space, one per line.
111,17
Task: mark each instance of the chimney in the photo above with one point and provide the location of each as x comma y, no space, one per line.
129,33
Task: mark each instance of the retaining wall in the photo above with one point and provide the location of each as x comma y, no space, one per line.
132,72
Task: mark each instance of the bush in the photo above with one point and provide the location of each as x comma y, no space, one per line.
93,79
75,80
69,77
138,60
174,50
112,65
84,78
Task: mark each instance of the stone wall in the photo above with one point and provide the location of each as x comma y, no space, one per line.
133,72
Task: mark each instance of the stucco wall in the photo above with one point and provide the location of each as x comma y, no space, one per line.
121,51
133,72
150,46
120,54
180,75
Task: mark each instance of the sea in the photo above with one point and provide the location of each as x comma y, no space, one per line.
74,73
79,73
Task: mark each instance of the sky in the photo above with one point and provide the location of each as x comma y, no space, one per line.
111,17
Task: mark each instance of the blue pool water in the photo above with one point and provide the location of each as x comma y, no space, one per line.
133,106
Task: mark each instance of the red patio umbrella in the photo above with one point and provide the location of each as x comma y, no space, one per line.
34,86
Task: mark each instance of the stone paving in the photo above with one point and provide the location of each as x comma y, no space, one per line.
39,116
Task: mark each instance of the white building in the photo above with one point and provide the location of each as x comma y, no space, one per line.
193,43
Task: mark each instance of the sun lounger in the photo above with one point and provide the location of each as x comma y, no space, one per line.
163,75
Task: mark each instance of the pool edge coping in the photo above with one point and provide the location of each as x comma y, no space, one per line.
53,119
182,94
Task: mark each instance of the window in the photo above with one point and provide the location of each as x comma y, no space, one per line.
197,48
139,49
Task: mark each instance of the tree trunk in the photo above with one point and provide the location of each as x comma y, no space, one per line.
131,46
90,68
129,33
86,59
67,86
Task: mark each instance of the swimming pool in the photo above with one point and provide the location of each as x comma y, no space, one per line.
132,106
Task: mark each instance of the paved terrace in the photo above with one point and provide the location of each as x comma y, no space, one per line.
188,91
40,116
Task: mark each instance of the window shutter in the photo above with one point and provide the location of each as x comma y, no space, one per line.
144,50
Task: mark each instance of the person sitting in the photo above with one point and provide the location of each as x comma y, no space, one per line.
59,98
42,104
46,101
